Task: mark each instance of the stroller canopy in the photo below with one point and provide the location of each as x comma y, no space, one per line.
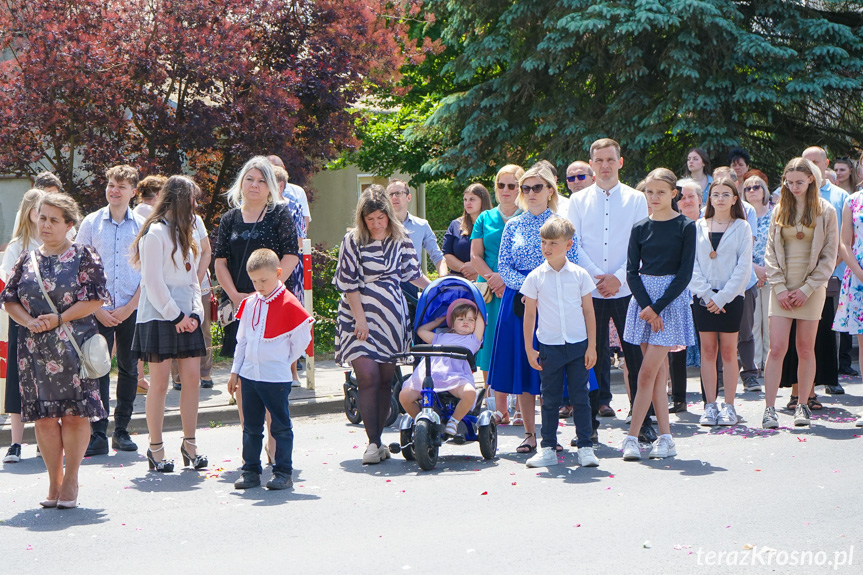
435,300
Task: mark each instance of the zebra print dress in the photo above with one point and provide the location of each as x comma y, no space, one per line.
375,270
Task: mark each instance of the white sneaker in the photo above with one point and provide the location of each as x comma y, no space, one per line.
451,427
546,457
629,417
727,416
631,449
710,415
372,454
663,447
860,421
296,383
384,452
586,457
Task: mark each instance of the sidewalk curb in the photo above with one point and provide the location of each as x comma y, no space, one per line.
216,416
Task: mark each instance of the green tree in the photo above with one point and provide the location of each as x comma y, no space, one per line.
528,79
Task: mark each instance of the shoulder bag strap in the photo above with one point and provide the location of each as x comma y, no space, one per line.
65,325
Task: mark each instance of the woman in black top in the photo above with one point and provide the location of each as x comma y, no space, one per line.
260,218
658,269
456,241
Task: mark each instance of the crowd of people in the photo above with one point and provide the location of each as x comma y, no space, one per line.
135,284
711,267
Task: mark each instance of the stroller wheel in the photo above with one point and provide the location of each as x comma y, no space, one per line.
352,406
488,440
406,438
425,446
394,411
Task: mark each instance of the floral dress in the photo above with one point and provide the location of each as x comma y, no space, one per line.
48,364
849,314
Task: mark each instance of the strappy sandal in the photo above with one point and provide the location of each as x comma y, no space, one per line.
558,448
814,404
526,447
517,419
792,403
143,386
501,418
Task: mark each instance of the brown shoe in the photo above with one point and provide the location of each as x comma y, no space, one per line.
606,411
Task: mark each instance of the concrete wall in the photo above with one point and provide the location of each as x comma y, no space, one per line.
12,189
335,203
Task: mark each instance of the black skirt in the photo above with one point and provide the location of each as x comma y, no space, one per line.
13,392
157,341
728,322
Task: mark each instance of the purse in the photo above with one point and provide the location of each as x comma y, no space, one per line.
834,286
484,291
94,355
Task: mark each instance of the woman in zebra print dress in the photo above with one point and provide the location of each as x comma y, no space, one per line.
372,321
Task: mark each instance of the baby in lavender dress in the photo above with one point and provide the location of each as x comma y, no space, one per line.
452,375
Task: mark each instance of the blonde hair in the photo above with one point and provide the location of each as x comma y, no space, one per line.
281,175
64,203
557,228
373,199
542,172
263,165
263,258
26,230
515,171
786,211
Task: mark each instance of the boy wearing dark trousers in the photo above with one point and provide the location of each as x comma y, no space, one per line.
561,292
274,330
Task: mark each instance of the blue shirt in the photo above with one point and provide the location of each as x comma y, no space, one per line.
112,241
837,198
520,248
423,238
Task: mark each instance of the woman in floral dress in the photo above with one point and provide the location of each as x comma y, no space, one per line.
53,394
849,314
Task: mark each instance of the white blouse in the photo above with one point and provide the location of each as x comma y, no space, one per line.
169,284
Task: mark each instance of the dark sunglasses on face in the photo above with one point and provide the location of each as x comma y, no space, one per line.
532,189
501,185
754,188
579,177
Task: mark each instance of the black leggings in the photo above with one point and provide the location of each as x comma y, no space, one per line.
374,381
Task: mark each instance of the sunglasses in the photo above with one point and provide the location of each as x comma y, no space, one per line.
579,177
532,189
754,188
501,185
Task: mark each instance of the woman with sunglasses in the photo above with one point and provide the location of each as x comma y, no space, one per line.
520,253
484,249
757,192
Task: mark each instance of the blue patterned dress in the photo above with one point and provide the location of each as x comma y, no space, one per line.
520,253
296,211
849,314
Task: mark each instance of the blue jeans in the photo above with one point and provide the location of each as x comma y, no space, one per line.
557,360
258,398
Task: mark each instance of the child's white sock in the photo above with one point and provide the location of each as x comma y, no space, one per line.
666,435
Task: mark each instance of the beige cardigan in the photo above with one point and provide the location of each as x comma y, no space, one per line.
822,258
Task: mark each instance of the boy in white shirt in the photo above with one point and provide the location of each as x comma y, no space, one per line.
274,330
566,331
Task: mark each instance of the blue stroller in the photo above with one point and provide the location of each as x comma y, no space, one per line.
421,439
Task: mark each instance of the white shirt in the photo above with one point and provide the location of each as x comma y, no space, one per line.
562,206
298,194
603,223
267,360
12,253
558,299
167,287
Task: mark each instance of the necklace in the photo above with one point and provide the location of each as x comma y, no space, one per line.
712,220
800,234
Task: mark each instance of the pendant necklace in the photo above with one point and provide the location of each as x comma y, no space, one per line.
800,235
712,253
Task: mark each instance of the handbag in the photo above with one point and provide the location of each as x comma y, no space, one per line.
484,291
94,355
214,307
225,312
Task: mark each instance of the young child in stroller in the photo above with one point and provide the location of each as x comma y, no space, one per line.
466,328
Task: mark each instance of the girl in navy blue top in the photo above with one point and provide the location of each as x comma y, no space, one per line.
658,269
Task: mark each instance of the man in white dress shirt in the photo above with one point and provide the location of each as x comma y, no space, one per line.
603,215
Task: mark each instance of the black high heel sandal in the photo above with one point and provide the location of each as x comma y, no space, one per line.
163,466
196,461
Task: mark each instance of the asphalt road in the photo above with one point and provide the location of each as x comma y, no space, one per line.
768,502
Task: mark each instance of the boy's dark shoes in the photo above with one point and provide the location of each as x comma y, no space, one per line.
594,437
248,480
606,411
98,446
121,441
647,434
280,481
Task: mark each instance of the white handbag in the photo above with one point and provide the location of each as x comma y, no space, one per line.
94,354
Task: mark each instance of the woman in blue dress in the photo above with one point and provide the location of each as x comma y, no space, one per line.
520,253
484,248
